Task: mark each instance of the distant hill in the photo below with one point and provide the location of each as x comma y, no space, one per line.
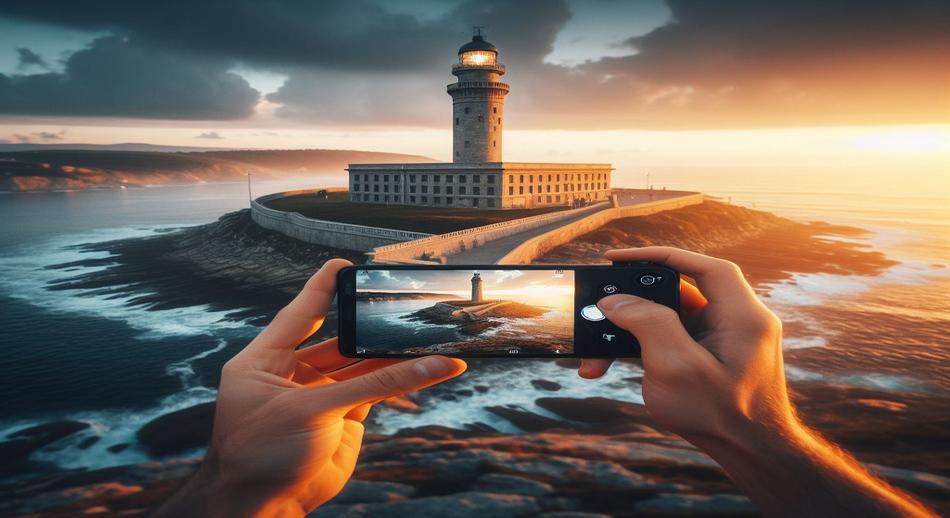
125,146
46,168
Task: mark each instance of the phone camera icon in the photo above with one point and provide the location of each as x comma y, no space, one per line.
610,289
609,337
592,313
649,280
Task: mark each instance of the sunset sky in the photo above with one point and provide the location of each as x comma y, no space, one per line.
641,84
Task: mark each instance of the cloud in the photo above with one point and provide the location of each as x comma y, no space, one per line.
49,135
114,77
741,63
210,135
27,58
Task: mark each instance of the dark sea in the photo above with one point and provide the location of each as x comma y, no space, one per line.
80,355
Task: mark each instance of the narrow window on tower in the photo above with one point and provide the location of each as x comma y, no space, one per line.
494,144
466,110
481,119
456,121
494,109
468,143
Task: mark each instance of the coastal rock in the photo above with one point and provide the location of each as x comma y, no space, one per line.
21,444
703,505
361,491
607,476
546,385
459,505
178,431
509,484
596,410
527,421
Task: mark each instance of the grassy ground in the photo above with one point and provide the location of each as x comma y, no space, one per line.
417,219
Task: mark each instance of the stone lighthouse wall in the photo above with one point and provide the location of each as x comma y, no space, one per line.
478,118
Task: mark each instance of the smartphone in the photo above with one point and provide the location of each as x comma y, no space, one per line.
534,311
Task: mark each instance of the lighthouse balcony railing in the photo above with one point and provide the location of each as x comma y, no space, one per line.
497,67
461,85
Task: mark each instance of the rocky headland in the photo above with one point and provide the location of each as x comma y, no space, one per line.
577,457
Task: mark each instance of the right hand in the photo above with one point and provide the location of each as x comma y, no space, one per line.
722,379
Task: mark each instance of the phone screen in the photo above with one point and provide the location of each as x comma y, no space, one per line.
487,311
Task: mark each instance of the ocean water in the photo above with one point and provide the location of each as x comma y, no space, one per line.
80,355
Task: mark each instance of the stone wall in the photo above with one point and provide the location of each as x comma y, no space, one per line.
542,244
326,233
431,249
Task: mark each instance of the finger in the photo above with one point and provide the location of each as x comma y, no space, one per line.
359,413
363,367
394,380
324,356
664,342
718,280
304,315
592,368
691,299
307,375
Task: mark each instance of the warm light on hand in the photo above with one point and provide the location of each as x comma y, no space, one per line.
289,424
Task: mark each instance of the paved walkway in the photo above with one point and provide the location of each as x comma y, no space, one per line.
493,251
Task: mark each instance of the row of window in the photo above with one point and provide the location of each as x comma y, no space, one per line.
569,177
557,188
476,178
490,178
436,189
436,200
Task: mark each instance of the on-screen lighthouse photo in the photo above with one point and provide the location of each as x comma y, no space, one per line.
477,176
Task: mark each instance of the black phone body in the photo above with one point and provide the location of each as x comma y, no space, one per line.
491,311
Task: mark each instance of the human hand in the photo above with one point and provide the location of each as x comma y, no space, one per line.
288,425
716,374
717,379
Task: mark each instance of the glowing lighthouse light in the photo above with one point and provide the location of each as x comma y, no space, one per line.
479,58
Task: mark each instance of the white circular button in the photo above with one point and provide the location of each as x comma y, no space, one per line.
592,313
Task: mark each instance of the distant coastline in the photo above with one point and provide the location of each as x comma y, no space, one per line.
82,168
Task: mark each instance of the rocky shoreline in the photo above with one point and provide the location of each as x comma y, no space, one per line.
580,457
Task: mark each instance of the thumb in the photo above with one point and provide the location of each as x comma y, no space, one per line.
664,342
393,380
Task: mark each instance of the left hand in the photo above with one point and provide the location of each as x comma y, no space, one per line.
289,424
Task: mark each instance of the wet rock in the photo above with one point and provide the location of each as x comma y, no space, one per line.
402,404
596,410
178,431
512,485
546,385
578,472
720,505
361,491
481,388
87,442
117,448
458,505
20,445
465,392
527,421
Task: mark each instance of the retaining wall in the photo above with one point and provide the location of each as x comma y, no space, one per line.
434,248
537,246
325,233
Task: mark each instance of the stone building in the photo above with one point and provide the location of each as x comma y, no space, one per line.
477,176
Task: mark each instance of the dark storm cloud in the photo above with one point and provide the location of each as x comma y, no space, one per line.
27,58
114,77
739,63
355,34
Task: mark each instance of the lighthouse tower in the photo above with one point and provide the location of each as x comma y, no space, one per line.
476,287
478,103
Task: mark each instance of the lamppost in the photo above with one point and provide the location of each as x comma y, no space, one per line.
249,197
